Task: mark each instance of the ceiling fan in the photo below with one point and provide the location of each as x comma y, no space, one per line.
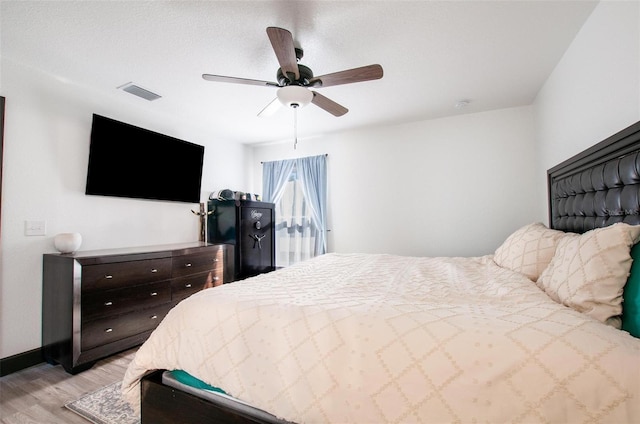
295,80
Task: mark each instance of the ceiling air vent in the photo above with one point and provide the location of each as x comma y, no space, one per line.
139,91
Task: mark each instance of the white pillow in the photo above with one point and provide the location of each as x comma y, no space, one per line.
589,271
528,250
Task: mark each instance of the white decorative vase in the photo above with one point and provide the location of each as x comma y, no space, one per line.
67,242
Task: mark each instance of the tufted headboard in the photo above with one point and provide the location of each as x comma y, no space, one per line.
599,186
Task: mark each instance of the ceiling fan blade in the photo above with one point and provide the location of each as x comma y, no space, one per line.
271,108
329,105
364,73
282,43
235,80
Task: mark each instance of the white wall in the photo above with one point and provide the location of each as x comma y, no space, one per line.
594,90
454,186
46,149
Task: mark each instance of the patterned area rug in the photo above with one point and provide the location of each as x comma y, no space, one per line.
104,406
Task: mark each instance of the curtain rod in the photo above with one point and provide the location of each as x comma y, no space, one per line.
326,154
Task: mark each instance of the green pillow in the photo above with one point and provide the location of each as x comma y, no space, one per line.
186,378
631,296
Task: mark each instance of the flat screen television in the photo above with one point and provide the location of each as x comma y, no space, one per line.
129,161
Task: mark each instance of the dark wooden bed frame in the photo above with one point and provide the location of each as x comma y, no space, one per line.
593,189
161,404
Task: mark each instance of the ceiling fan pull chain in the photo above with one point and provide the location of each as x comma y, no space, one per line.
295,126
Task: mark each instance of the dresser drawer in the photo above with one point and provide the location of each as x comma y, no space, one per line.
183,287
107,330
122,274
197,262
118,301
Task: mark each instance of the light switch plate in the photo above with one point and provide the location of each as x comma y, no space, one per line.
35,228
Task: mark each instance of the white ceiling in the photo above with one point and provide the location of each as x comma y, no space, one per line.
495,54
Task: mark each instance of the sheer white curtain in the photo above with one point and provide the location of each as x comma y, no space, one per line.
298,187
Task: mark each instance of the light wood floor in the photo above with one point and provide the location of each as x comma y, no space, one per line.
38,394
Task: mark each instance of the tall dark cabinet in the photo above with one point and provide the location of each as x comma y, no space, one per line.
248,226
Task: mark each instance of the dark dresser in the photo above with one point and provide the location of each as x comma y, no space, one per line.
97,303
248,226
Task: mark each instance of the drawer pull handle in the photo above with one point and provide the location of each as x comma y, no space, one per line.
108,303
154,293
216,278
188,285
215,260
108,277
154,270
108,330
188,265
154,317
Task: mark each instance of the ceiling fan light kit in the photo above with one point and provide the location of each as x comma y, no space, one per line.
294,96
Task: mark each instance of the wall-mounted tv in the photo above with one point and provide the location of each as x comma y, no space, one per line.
128,161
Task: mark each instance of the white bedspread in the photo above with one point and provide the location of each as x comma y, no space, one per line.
353,338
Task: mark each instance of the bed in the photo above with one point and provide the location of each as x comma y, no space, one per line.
535,332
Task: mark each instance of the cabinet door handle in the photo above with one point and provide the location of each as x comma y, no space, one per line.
257,240
108,277
188,265
108,303
188,285
108,330
215,260
154,293
153,270
154,317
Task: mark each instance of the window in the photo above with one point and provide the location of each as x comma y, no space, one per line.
295,232
298,189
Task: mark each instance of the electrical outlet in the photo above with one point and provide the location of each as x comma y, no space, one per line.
35,228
